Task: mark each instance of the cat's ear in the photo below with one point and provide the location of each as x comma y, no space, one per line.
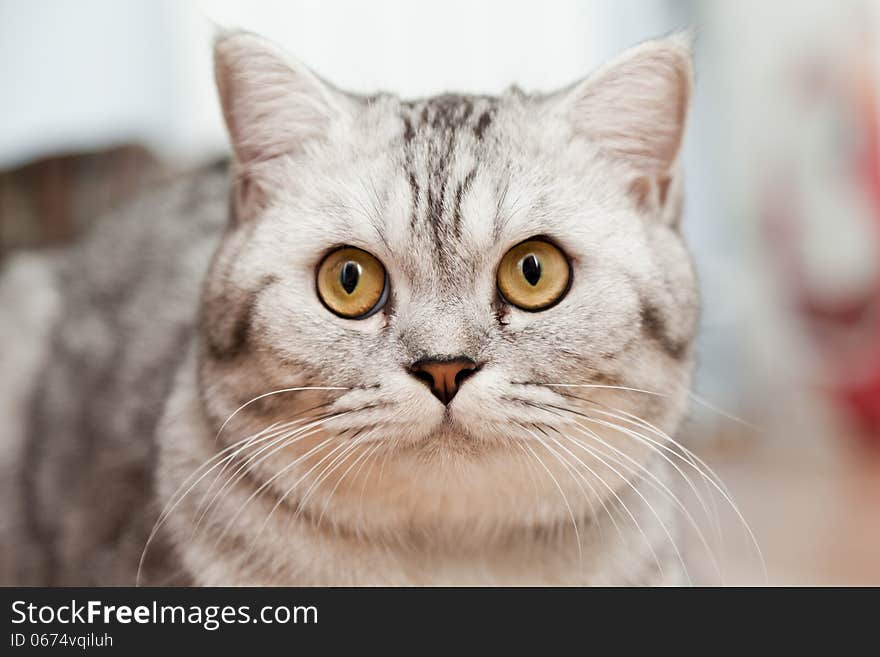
634,111
273,106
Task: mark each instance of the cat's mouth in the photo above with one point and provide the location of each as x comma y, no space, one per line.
458,430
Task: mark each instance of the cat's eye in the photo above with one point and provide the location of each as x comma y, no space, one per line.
352,283
534,275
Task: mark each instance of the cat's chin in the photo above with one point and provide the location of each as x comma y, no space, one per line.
451,435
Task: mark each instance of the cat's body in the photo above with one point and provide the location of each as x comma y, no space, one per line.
89,359
143,362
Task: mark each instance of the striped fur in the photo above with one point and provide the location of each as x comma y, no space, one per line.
157,339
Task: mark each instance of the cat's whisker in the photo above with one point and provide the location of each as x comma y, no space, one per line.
619,500
270,394
280,473
703,470
721,491
219,457
683,454
272,433
381,476
253,542
662,450
176,498
548,409
235,449
283,442
600,386
650,507
359,459
574,524
712,515
344,446
572,472
579,481
705,403
328,470
530,468
249,443
268,483
702,401
652,480
696,398
367,474
689,455
274,447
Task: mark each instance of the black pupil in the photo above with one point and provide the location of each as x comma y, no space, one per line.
531,269
349,276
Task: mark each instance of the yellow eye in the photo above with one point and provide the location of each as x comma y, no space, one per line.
352,283
534,275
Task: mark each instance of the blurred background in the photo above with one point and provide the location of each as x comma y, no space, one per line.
101,98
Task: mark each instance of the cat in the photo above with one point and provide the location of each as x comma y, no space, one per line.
440,341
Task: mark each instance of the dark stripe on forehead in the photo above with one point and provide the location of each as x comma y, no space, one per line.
449,112
436,196
462,189
414,190
484,122
433,132
408,132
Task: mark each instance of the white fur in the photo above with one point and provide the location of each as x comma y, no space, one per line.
451,495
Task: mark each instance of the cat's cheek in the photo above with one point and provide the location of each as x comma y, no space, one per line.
411,412
478,404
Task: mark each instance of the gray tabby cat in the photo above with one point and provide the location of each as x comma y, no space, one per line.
405,342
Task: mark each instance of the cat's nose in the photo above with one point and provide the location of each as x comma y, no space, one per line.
443,376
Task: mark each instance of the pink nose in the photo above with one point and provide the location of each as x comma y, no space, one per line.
443,376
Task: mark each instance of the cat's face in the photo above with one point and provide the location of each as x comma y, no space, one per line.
475,278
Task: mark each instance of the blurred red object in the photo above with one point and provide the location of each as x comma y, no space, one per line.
843,321
863,397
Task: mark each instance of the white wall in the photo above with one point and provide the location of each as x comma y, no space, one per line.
95,72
